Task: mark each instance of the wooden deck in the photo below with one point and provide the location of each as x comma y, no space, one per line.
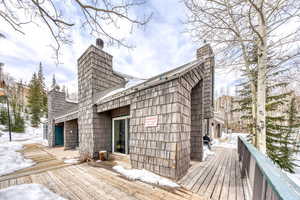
84,182
44,161
219,178
87,182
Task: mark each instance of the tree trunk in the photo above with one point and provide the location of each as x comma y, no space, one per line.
261,83
254,113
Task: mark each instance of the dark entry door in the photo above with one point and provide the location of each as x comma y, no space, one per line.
59,135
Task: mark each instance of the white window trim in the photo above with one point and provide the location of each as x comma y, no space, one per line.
126,133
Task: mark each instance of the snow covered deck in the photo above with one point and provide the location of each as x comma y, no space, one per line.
43,161
86,181
217,178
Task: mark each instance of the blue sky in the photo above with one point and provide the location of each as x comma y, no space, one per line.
160,46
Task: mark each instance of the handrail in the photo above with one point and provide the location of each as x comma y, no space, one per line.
263,171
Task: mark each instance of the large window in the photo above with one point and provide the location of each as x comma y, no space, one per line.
120,135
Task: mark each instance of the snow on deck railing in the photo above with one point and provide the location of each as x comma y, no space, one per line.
265,180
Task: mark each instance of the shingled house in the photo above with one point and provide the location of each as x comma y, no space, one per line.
159,122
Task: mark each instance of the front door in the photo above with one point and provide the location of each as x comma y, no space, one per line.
120,135
59,135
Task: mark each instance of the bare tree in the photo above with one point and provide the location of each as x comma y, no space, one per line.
246,33
94,16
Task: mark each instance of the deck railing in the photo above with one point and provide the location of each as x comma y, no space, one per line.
264,180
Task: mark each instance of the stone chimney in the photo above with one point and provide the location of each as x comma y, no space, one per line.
95,74
56,102
206,54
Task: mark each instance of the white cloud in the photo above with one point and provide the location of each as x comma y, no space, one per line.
158,48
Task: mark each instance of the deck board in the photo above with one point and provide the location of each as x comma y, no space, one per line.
219,178
85,182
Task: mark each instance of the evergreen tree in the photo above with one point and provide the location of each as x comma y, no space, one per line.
3,117
280,124
35,101
41,81
18,123
290,147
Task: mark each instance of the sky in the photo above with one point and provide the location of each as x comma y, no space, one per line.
158,47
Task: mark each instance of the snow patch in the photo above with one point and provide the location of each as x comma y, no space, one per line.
145,176
296,176
228,140
131,83
207,153
72,161
11,160
30,136
28,192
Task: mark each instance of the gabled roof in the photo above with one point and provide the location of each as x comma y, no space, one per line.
137,84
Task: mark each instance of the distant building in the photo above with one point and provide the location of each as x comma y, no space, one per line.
17,89
22,91
2,82
224,107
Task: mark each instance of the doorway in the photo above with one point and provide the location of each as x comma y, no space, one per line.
59,135
219,130
120,135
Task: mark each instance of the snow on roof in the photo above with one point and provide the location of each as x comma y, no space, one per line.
135,82
71,100
67,114
131,83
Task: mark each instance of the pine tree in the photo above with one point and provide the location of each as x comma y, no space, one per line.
41,81
35,101
290,147
244,107
280,126
18,123
3,117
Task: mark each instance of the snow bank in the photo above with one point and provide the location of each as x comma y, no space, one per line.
296,176
30,136
228,140
145,176
207,153
10,160
28,192
72,161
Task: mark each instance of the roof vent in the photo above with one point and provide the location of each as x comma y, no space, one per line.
99,43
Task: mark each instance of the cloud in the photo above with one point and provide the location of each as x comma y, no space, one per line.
159,47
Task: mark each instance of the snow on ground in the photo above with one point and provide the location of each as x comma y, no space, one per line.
207,153
228,140
28,192
145,176
72,161
296,176
10,159
31,135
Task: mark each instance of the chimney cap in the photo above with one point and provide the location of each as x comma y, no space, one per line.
99,43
